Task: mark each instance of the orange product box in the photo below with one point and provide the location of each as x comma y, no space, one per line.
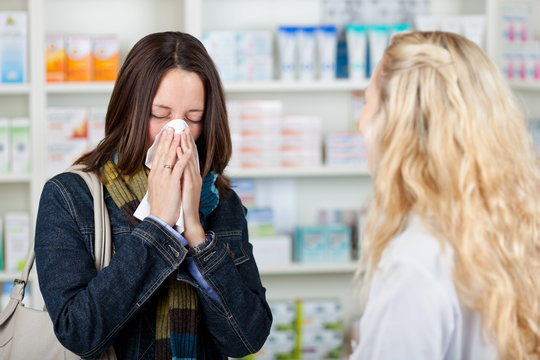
55,57
106,58
78,58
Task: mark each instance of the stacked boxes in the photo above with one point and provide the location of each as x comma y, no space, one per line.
345,148
301,141
322,244
281,342
259,125
241,56
264,138
13,48
81,57
307,329
520,53
319,330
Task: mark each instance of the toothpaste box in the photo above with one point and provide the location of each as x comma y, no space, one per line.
55,57
4,146
106,58
13,47
78,58
20,145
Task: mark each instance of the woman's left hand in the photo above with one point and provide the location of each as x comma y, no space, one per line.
191,193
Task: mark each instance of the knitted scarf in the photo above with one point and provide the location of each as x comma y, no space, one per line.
177,309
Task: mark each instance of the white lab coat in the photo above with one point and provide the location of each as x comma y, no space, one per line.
413,311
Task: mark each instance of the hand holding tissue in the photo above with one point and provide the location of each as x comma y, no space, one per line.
143,209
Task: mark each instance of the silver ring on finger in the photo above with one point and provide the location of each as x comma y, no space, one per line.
167,166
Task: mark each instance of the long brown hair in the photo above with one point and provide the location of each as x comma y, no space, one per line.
126,121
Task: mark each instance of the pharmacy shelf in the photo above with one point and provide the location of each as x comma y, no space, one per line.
521,85
79,88
14,89
267,86
296,86
319,171
14,178
308,269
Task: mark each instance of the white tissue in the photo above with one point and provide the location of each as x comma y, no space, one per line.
143,210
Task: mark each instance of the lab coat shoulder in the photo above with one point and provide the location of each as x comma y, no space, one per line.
412,307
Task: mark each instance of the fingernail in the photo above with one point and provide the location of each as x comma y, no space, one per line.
170,130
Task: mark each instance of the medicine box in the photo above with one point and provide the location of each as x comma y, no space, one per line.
279,345
55,57
13,47
20,145
261,222
106,52
17,240
328,244
272,250
78,58
309,245
338,243
4,146
67,136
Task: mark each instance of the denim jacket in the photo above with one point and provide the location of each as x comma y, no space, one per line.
92,311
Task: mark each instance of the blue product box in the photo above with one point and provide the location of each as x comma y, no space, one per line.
338,244
13,47
309,244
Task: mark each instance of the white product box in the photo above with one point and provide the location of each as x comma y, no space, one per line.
13,47
221,46
17,239
254,56
321,314
67,123
20,145
272,250
4,146
278,345
284,315
516,21
96,126
62,154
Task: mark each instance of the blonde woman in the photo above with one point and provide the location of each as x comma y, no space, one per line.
451,264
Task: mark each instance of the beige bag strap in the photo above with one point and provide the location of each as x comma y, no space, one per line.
102,241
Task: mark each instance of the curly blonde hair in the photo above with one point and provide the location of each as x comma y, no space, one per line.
453,148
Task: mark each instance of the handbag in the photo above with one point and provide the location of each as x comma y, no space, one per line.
27,333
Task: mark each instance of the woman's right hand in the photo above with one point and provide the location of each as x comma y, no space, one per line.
164,184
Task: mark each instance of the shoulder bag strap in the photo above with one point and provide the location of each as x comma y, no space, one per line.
102,241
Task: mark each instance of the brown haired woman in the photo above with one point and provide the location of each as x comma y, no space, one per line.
168,292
